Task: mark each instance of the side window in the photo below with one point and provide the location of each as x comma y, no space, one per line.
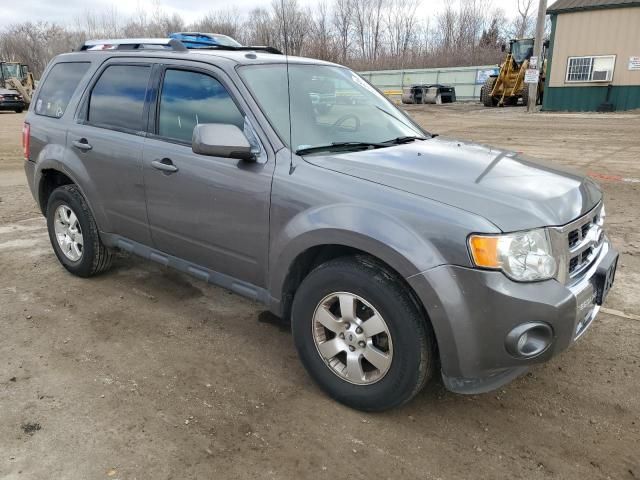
117,99
58,88
190,98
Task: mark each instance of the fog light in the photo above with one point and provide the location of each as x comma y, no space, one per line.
529,339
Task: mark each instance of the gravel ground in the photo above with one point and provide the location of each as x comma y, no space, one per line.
146,373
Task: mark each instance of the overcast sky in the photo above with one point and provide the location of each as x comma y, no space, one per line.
65,11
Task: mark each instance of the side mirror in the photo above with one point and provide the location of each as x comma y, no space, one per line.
221,140
503,48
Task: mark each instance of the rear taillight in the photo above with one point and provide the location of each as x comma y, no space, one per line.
26,140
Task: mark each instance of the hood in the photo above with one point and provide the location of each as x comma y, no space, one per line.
510,190
6,91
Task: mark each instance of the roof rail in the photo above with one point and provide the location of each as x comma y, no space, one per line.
242,48
165,44
134,44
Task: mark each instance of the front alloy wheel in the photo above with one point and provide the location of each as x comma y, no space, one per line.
361,335
352,338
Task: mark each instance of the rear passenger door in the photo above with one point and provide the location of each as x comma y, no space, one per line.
108,138
212,212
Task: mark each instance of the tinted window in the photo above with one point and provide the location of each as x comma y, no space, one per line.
58,88
117,99
190,98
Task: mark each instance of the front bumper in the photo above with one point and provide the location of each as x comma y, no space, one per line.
472,311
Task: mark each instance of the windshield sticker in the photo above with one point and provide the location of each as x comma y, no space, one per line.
362,83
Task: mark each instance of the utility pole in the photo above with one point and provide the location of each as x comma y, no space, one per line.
537,49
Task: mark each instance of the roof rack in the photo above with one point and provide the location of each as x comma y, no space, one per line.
134,44
242,48
164,44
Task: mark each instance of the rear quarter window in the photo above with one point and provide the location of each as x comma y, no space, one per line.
58,88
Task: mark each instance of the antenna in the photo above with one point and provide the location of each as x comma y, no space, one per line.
286,60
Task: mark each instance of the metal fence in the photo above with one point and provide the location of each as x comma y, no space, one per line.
466,80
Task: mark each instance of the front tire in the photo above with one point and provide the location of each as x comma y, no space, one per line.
361,336
485,92
74,234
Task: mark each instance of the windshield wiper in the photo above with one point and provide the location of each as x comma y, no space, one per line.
406,139
340,146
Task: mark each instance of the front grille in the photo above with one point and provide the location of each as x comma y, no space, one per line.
584,239
573,238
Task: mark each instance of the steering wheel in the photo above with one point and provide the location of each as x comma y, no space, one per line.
338,123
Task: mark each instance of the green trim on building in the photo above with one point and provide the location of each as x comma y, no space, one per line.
547,74
586,99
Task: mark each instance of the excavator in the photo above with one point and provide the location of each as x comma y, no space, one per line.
17,76
508,87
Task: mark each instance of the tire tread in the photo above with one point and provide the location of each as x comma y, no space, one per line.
102,257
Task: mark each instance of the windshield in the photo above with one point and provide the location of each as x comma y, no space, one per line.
11,70
522,50
329,104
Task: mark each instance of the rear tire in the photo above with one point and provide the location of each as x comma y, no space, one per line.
485,92
402,353
19,110
74,234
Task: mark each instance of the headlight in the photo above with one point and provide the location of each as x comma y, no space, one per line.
522,256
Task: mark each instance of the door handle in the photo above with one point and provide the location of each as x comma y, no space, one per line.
82,144
166,165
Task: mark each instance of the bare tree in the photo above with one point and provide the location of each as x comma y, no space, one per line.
342,19
364,34
524,24
401,27
323,43
368,27
292,25
447,22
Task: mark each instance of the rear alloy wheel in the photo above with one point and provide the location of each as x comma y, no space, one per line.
74,234
360,335
68,233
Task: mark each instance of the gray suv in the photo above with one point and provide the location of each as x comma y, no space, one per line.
394,254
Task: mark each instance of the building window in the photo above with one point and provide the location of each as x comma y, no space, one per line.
590,69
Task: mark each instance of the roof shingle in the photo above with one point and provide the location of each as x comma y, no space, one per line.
561,6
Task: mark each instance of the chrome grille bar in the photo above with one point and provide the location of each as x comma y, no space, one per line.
578,244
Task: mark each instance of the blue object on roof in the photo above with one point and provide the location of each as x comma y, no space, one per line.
199,40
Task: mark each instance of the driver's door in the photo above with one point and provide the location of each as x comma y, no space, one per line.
209,211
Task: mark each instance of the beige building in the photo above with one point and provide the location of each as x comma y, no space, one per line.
594,55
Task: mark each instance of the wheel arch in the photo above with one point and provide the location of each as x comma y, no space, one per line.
50,179
52,174
313,256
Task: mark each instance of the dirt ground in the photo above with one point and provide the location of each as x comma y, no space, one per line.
145,373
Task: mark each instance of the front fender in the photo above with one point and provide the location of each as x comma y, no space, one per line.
372,231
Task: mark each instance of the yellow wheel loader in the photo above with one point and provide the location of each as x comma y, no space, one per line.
508,86
16,76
